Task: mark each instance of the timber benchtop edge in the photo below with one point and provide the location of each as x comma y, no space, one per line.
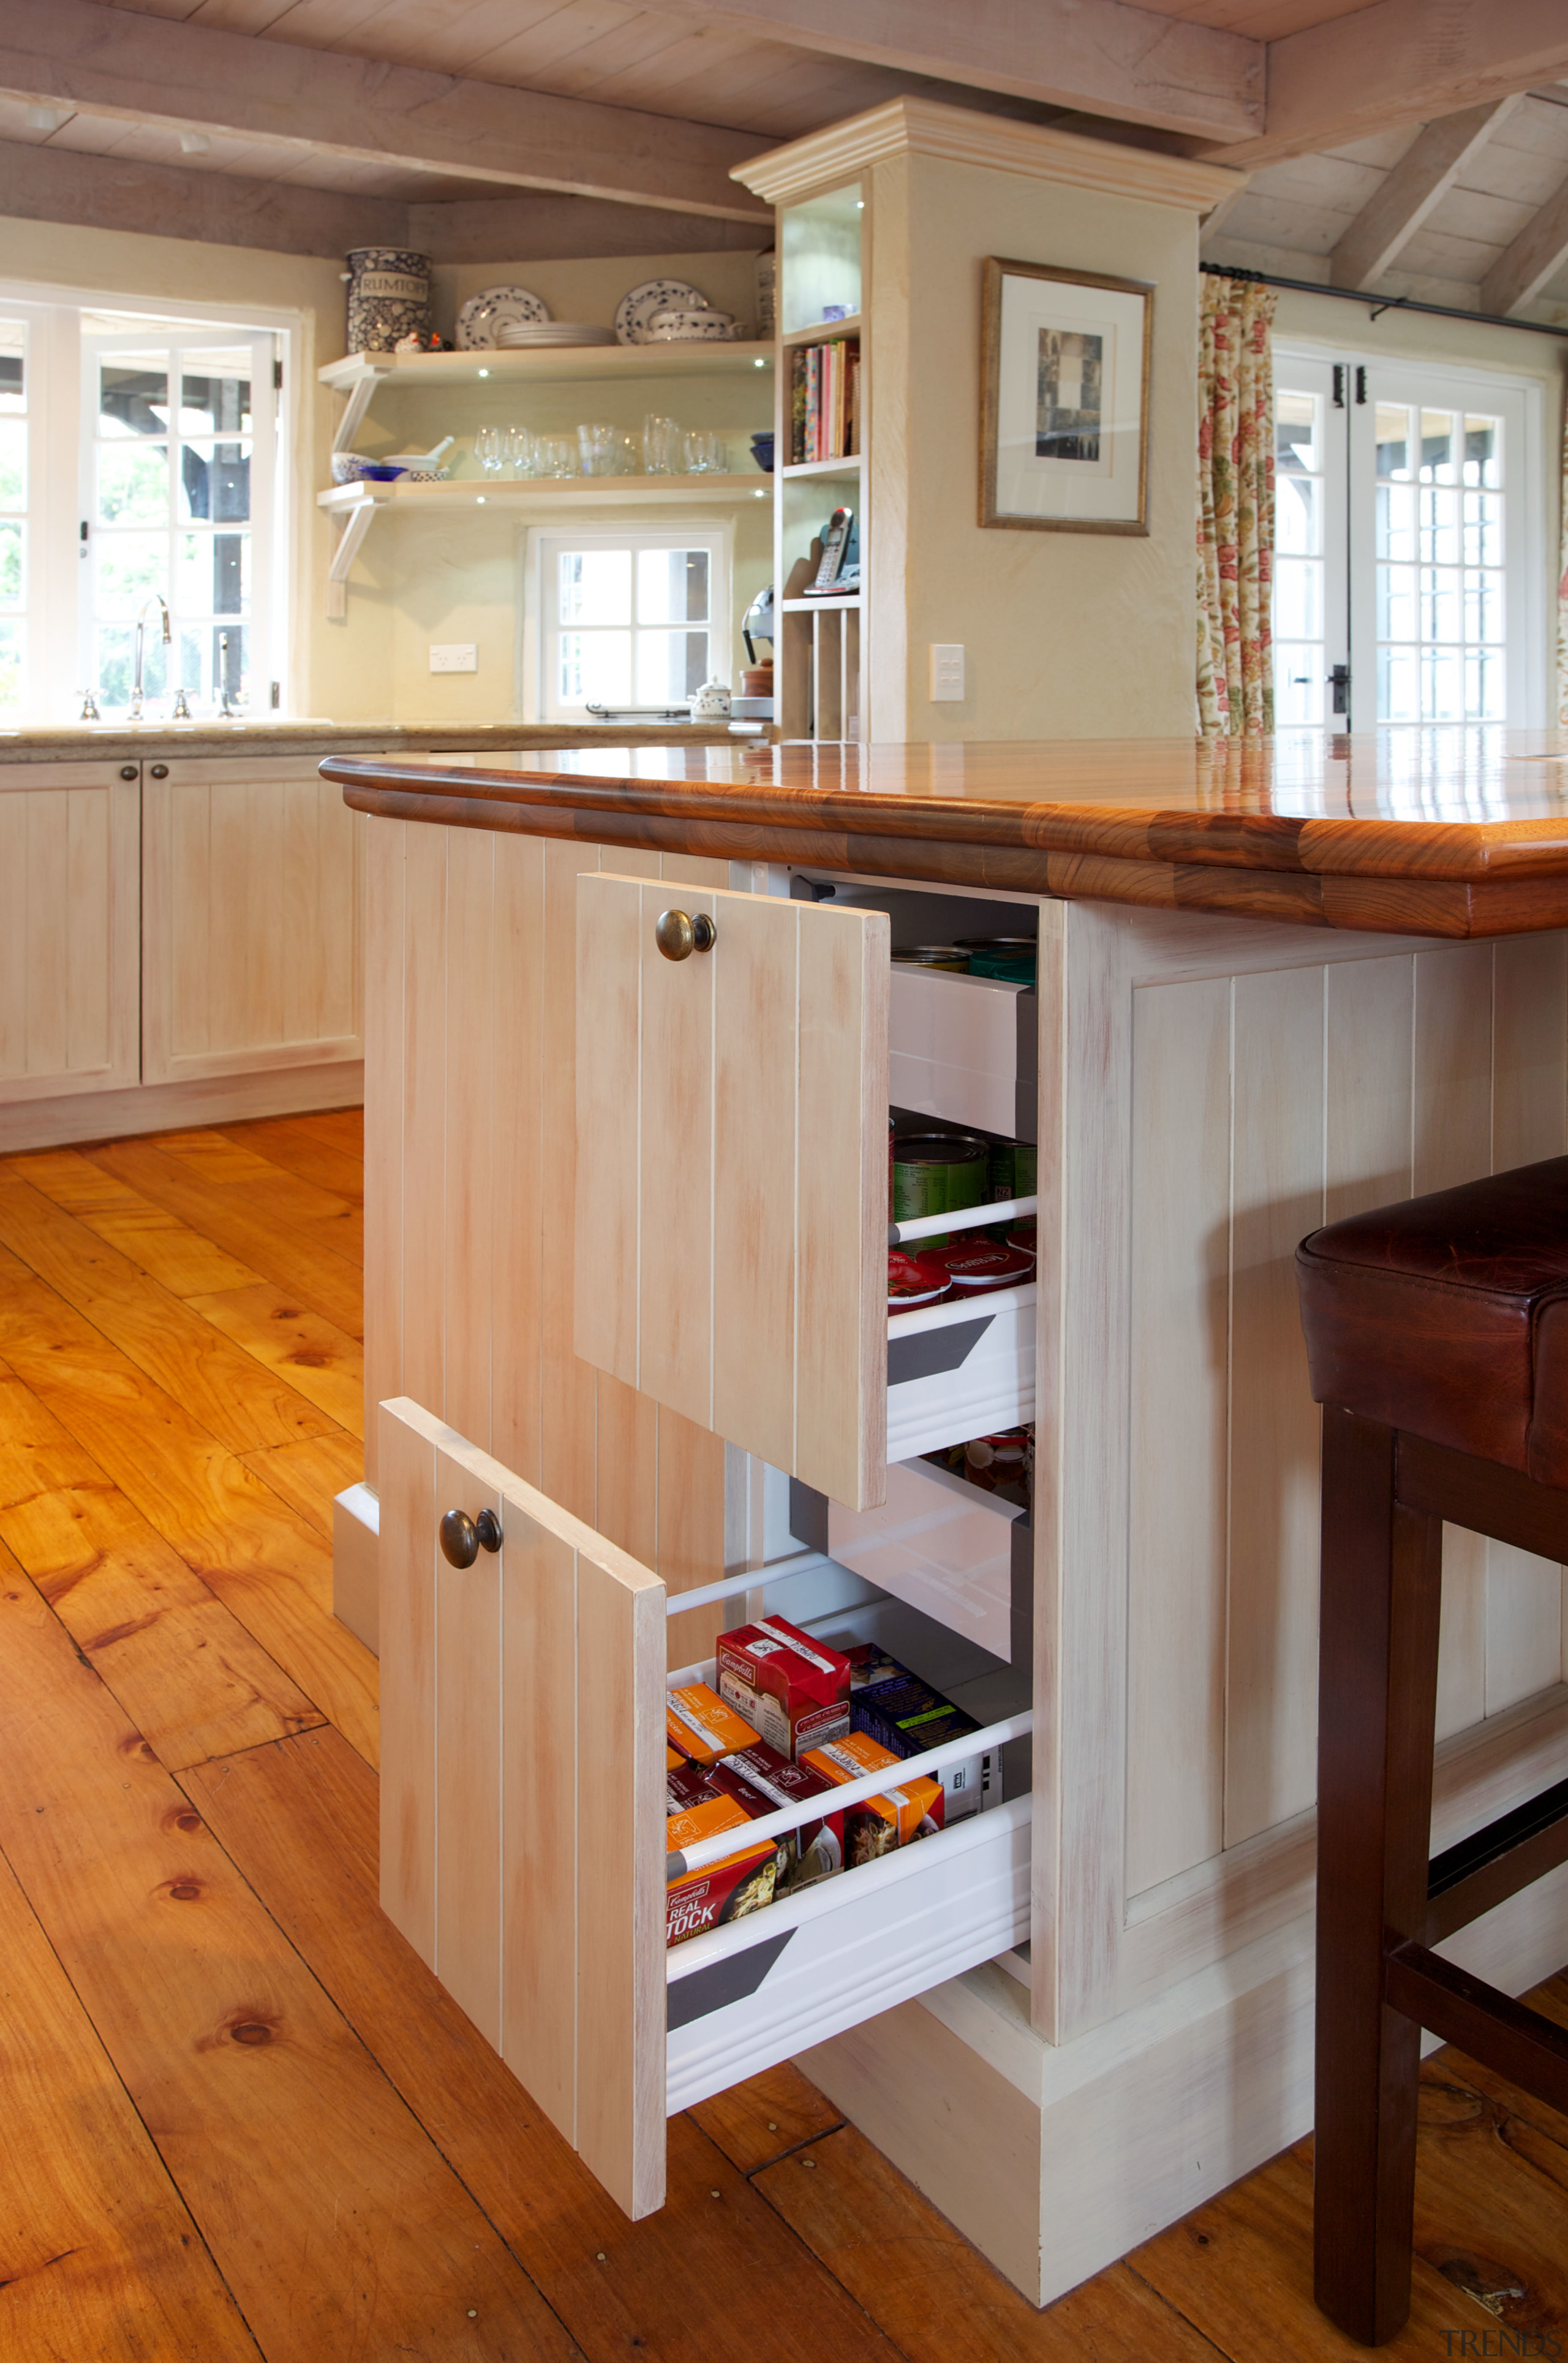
1457,832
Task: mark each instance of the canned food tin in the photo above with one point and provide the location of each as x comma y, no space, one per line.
936,1173
975,1266
1010,960
948,956
913,1281
1012,1171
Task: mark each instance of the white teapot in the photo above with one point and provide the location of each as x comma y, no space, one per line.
711,703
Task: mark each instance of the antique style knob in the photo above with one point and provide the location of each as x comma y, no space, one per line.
463,1538
129,770
677,936
160,770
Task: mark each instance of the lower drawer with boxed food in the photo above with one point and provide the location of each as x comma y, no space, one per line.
526,1842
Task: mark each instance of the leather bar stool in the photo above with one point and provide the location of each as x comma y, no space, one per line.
1437,1333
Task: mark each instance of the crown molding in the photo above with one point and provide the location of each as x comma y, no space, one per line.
958,135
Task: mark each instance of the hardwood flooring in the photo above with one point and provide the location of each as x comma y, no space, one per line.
243,2121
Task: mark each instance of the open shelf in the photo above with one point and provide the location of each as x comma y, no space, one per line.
538,491
822,332
830,601
847,466
403,370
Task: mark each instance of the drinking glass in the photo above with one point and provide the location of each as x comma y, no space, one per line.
597,448
662,451
489,450
519,451
557,455
704,455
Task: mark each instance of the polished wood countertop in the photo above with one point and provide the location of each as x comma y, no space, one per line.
1457,831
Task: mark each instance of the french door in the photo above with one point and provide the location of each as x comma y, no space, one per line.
1409,584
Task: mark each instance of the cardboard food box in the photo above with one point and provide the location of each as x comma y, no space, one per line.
685,1785
742,1882
907,1811
699,1723
793,1688
760,1780
908,1716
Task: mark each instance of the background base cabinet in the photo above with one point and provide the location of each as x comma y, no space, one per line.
1206,1091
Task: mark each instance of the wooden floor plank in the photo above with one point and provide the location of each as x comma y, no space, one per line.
334,2219
312,1356
766,2118
98,2255
936,2296
262,1559
191,1678
251,1225
333,1158
1240,2267
308,1475
713,2278
243,1398
157,1242
224,1161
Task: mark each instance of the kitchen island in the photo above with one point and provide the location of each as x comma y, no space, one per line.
625,1222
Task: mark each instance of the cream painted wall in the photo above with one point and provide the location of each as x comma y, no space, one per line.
1069,635
437,578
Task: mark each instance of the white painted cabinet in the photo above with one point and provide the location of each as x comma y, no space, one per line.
253,918
70,904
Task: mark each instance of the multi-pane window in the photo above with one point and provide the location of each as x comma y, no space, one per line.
182,432
1441,592
628,620
1410,568
14,521
1300,656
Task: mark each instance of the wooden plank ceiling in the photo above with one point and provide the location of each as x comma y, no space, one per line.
1329,103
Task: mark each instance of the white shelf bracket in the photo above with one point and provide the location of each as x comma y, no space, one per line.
357,399
356,525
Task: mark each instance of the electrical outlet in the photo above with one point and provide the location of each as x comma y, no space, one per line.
946,670
456,656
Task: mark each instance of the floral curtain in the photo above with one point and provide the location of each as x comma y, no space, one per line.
1235,507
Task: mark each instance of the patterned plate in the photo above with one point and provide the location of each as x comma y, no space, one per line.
495,308
636,310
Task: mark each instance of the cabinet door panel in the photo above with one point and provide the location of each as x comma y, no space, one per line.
522,1790
732,1171
70,914
253,920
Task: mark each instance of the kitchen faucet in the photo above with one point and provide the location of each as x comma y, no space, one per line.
140,637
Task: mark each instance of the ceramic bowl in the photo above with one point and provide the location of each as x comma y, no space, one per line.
349,468
678,327
762,452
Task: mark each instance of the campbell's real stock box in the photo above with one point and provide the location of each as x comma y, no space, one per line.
906,1811
698,1722
742,1882
793,1688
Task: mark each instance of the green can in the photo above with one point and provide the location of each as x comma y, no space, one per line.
937,1173
948,956
1012,1170
1010,960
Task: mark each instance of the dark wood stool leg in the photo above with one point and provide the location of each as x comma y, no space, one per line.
1382,1570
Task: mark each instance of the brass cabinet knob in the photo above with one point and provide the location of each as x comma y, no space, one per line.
679,936
160,770
463,1538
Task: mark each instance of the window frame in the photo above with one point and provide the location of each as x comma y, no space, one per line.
1371,377
55,314
539,627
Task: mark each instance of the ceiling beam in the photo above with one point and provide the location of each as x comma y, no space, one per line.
158,70
1103,56
1536,256
1418,182
1401,61
114,193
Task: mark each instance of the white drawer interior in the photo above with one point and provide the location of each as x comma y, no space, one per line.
964,1367
964,1048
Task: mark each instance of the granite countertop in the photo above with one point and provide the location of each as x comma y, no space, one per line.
80,742
1457,832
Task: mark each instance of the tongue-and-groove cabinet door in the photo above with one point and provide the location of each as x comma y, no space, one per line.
522,1685
732,1168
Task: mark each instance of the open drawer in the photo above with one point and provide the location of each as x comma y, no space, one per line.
524,1831
732,1182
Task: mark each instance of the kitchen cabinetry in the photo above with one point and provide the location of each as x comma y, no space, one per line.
252,919
70,901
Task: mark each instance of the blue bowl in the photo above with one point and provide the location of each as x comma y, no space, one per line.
762,452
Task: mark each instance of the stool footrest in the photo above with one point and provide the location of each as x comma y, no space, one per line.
1485,1869
1532,2051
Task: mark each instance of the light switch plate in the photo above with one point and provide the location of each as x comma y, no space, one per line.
946,670
456,656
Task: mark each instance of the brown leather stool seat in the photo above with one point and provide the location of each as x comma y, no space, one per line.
1437,1335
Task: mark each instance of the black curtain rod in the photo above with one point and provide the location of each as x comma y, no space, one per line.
1379,303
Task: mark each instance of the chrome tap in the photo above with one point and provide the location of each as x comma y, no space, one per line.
140,639
89,707
227,710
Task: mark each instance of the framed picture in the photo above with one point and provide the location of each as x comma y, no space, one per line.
1064,400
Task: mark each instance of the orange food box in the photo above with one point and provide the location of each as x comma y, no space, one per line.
742,1882
909,1808
697,1722
672,1758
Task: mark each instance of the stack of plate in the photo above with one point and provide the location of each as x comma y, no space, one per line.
524,336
